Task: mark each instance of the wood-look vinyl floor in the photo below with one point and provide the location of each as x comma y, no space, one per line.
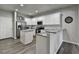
68,48
14,46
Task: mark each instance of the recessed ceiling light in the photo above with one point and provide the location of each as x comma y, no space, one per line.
16,9
21,5
36,11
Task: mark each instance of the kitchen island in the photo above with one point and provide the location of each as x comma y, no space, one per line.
49,42
26,36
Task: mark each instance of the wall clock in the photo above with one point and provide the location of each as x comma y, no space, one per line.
69,19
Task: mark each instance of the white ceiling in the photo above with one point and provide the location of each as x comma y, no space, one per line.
30,8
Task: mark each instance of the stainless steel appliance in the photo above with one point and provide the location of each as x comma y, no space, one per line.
21,25
39,27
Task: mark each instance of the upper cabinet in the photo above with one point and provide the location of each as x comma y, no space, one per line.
28,21
51,19
36,19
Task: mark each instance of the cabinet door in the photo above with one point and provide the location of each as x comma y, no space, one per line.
42,45
52,43
56,40
22,37
34,21
28,21
52,19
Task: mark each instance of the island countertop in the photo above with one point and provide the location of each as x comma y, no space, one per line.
42,34
27,30
53,30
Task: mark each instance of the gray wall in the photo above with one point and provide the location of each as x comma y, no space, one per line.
71,30
6,29
78,24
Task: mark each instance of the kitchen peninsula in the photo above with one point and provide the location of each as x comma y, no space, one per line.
49,42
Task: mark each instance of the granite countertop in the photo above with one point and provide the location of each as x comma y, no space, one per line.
42,34
27,30
53,30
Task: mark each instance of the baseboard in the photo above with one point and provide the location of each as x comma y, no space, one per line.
7,38
71,42
59,47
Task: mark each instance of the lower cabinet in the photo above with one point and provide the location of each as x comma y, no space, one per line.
49,44
56,40
42,45
26,36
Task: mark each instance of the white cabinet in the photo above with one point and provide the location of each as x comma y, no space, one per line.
52,19
56,40
49,43
28,21
42,44
26,36
34,21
